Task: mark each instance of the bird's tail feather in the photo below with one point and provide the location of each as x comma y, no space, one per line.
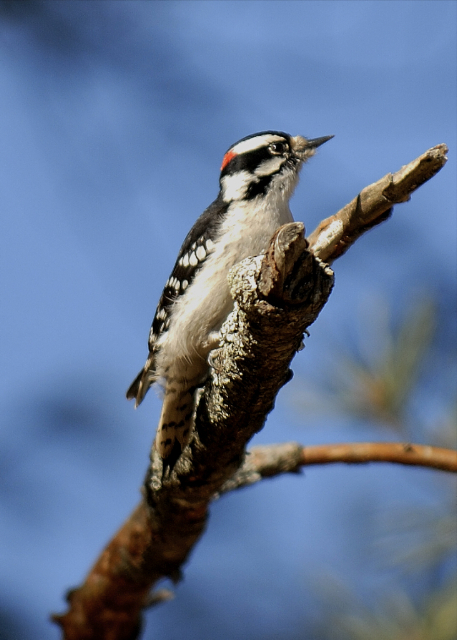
142,382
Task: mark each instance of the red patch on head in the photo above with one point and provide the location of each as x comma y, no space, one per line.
228,156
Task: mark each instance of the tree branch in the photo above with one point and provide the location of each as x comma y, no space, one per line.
289,457
276,297
373,205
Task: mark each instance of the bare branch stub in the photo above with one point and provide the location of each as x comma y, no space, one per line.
373,205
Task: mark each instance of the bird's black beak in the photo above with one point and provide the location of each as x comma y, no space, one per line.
304,148
316,142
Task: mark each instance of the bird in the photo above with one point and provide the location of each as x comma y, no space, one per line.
258,176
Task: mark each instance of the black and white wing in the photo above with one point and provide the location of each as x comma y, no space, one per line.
197,246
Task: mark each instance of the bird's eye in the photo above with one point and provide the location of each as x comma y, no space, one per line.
278,148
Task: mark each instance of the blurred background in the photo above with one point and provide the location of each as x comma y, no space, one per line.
114,118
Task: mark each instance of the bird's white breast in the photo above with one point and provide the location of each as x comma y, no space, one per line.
245,231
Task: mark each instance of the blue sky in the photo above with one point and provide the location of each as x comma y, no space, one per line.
114,120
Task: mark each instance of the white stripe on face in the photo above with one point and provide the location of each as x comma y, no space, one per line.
235,185
270,166
255,143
